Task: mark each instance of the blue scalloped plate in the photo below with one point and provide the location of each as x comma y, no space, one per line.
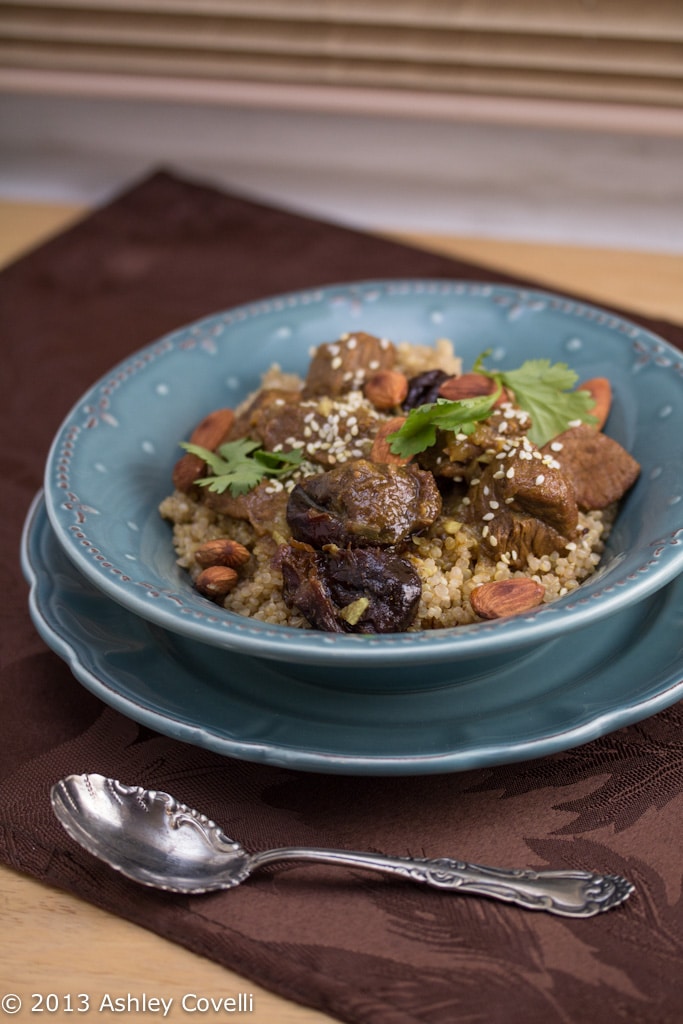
111,461
564,693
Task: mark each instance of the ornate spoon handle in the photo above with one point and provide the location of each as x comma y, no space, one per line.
567,893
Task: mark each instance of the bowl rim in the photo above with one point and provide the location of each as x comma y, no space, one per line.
221,628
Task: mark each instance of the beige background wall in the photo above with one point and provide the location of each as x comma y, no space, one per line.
540,119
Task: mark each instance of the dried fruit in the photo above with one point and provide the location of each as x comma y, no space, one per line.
386,389
216,581
500,598
600,390
221,551
209,433
381,450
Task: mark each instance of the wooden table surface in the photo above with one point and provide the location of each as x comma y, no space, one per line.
51,942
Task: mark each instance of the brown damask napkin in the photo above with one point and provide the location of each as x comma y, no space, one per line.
362,948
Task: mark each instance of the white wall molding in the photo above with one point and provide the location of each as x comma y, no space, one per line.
629,118
487,168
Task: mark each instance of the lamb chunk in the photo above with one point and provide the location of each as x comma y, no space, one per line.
523,504
363,503
281,420
343,365
267,403
599,469
264,506
460,457
352,590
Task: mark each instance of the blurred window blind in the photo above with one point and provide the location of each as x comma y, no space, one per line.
622,51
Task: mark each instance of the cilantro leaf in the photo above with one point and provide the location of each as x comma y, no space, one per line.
544,390
238,466
419,430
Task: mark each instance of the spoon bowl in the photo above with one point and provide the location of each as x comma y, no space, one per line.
152,838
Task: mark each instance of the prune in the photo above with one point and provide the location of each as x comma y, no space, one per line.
350,590
424,388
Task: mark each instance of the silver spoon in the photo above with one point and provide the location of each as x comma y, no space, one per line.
150,837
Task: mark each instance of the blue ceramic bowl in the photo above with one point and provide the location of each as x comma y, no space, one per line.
111,461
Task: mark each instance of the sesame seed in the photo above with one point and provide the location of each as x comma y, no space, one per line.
485,531
488,516
336,363
539,479
474,481
556,446
493,541
494,504
510,473
351,342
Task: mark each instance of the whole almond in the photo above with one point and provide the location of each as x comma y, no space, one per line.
187,469
469,385
601,392
221,551
212,431
500,598
216,581
381,452
386,389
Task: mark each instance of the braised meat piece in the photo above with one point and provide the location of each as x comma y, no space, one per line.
344,365
324,429
264,506
523,504
268,404
350,590
460,456
600,470
363,503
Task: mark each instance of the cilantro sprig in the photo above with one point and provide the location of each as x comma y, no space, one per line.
238,466
420,427
545,391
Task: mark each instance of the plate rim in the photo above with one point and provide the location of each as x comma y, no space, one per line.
287,756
